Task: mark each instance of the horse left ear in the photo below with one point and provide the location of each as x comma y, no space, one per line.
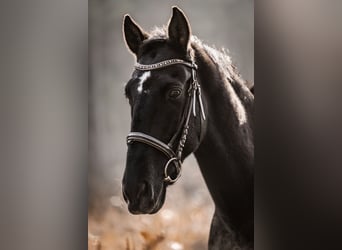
133,34
179,28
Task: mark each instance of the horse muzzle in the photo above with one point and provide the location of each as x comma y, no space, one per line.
143,199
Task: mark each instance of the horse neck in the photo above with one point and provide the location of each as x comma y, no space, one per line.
226,152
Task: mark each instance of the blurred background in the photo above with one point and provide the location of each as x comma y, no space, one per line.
184,221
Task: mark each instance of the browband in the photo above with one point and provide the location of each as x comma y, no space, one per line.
163,64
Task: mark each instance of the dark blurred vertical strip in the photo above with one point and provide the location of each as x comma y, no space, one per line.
43,126
298,58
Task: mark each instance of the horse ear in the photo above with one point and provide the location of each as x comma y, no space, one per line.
179,28
133,34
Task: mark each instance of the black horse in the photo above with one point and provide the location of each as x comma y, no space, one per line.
187,97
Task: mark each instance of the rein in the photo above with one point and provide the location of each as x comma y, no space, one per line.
194,94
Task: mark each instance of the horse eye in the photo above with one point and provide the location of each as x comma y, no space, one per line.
175,93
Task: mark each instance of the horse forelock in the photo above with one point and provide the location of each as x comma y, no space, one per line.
158,33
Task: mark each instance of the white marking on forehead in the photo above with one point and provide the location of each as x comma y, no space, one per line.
142,79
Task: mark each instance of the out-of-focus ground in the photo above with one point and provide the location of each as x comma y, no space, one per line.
184,220
182,223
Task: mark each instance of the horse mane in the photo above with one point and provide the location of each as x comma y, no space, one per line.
220,57
240,92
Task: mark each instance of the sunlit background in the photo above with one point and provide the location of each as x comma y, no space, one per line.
184,221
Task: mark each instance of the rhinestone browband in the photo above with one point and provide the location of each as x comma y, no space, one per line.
164,64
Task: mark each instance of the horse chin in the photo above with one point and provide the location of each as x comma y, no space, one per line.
146,206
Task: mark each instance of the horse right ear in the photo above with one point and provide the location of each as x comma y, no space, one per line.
179,28
133,34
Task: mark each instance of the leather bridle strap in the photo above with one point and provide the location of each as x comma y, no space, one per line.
194,90
151,141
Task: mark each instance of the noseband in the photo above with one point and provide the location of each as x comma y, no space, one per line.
194,95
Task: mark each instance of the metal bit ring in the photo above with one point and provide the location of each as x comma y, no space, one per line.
178,167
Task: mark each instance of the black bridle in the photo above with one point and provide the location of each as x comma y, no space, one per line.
194,94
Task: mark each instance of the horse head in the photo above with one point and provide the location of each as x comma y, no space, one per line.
161,95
